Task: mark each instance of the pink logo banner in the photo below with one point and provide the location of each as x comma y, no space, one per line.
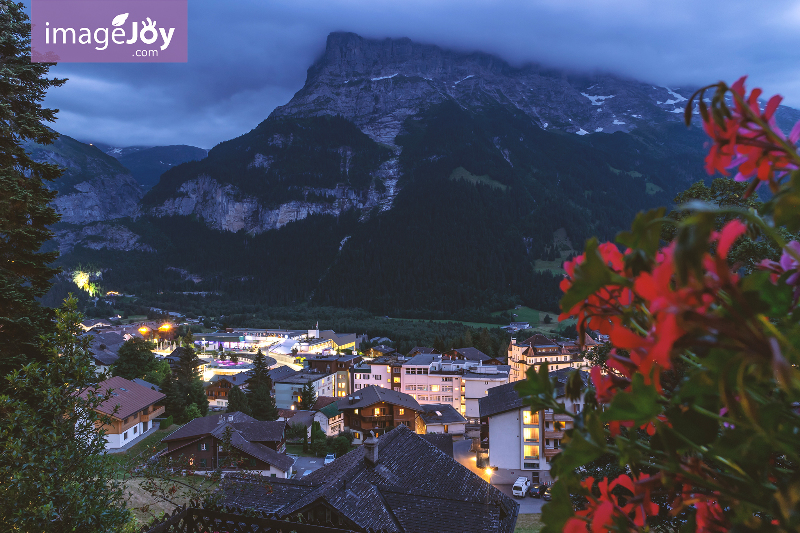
109,31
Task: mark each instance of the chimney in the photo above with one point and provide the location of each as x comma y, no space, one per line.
371,449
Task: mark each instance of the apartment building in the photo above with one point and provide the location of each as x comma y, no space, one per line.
540,349
522,439
288,389
384,371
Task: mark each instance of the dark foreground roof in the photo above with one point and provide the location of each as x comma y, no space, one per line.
414,487
442,441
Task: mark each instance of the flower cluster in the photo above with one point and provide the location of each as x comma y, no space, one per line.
605,510
741,140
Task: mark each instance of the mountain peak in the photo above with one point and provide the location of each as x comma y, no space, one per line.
378,83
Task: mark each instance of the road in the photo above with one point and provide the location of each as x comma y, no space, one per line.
502,479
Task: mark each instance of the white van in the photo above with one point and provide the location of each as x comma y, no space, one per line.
521,486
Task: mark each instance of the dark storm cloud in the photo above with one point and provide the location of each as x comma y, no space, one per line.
248,56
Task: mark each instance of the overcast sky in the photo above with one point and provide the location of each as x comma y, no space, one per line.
248,56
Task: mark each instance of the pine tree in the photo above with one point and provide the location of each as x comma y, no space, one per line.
260,373
191,412
262,404
56,476
237,402
25,210
307,397
174,403
188,383
135,359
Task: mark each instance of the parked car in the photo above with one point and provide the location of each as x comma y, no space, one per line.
521,486
536,490
546,494
330,458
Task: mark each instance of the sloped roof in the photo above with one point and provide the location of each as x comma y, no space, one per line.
323,401
127,397
281,372
472,354
206,425
414,487
259,451
330,410
267,431
440,413
442,441
504,398
147,384
372,394
421,349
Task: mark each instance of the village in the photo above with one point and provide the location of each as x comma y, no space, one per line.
458,409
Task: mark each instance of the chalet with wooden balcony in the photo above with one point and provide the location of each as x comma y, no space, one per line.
130,409
219,386
522,439
255,446
378,409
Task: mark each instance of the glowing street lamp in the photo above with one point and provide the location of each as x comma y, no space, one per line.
165,327
143,330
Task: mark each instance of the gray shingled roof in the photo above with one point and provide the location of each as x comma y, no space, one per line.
414,487
446,414
442,441
373,394
504,398
268,431
422,359
206,425
303,377
472,354
281,372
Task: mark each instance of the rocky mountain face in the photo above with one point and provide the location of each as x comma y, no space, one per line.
404,178
94,186
379,83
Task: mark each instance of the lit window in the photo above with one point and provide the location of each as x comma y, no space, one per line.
531,452
531,434
377,411
401,412
434,388
355,411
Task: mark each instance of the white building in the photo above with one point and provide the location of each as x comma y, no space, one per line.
430,379
539,349
442,418
288,389
523,440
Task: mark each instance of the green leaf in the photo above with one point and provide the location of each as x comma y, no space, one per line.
640,404
556,512
787,204
691,242
773,299
645,232
577,452
696,427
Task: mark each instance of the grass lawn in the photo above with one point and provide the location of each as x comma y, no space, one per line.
122,459
529,523
297,449
477,325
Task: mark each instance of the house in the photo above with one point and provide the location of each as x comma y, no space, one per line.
218,388
288,389
257,446
104,349
377,351
382,371
333,424
279,372
416,350
398,483
442,418
339,364
131,409
475,384
378,409
538,350
467,354
522,439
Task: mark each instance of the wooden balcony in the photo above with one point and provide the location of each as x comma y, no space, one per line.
553,434
550,417
551,452
154,414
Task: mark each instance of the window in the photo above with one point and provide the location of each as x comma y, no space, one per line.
408,370
219,448
377,411
531,452
252,462
447,379
125,435
530,419
396,370
355,411
202,446
377,377
401,412
356,435
135,430
202,462
396,379
434,388
531,434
